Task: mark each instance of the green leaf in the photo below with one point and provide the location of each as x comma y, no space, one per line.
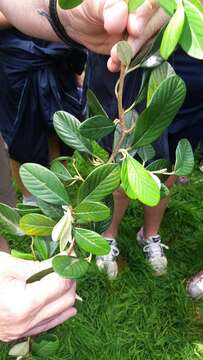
99,151
146,153
101,182
184,158
24,209
96,127
158,75
40,275
69,4
149,56
142,93
9,220
53,211
165,103
159,165
20,349
41,248
70,267
164,191
134,4
21,255
42,183
67,128
91,242
138,182
173,32
91,211
124,52
192,36
168,5
45,345
95,108
60,170
102,226
37,225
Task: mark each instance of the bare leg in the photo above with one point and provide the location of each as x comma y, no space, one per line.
54,151
7,194
4,245
54,147
154,215
15,166
121,203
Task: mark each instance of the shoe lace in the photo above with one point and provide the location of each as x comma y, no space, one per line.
154,247
114,249
114,252
198,278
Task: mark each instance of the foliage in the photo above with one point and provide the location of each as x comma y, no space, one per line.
70,203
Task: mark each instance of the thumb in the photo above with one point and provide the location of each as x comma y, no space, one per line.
115,14
22,269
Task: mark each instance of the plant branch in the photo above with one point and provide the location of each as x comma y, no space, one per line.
71,248
121,114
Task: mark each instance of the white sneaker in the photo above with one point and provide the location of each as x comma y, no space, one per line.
153,250
194,286
108,262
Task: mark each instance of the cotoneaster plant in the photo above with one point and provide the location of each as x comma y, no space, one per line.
74,198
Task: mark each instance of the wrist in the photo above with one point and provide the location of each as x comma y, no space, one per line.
66,19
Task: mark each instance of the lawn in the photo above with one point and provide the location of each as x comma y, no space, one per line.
139,316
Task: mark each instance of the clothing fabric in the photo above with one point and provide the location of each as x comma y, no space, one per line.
188,123
37,78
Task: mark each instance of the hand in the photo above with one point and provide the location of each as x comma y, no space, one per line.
97,24
28,309
4,24
100,24
142,25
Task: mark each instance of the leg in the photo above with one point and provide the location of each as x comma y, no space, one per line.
54,147
154,215
108,262
148,237
121,203
15,166
4,245
7,194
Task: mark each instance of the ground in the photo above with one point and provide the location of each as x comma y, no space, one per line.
139,316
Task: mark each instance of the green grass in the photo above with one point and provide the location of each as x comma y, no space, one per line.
139,316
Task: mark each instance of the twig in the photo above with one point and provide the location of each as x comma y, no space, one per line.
71,248
121,114
75,167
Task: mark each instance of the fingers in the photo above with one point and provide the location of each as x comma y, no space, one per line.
115,15
59,319
56,307
48,289
138,41
138,20
153,26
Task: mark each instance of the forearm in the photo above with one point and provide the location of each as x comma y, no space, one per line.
4,24
27,19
